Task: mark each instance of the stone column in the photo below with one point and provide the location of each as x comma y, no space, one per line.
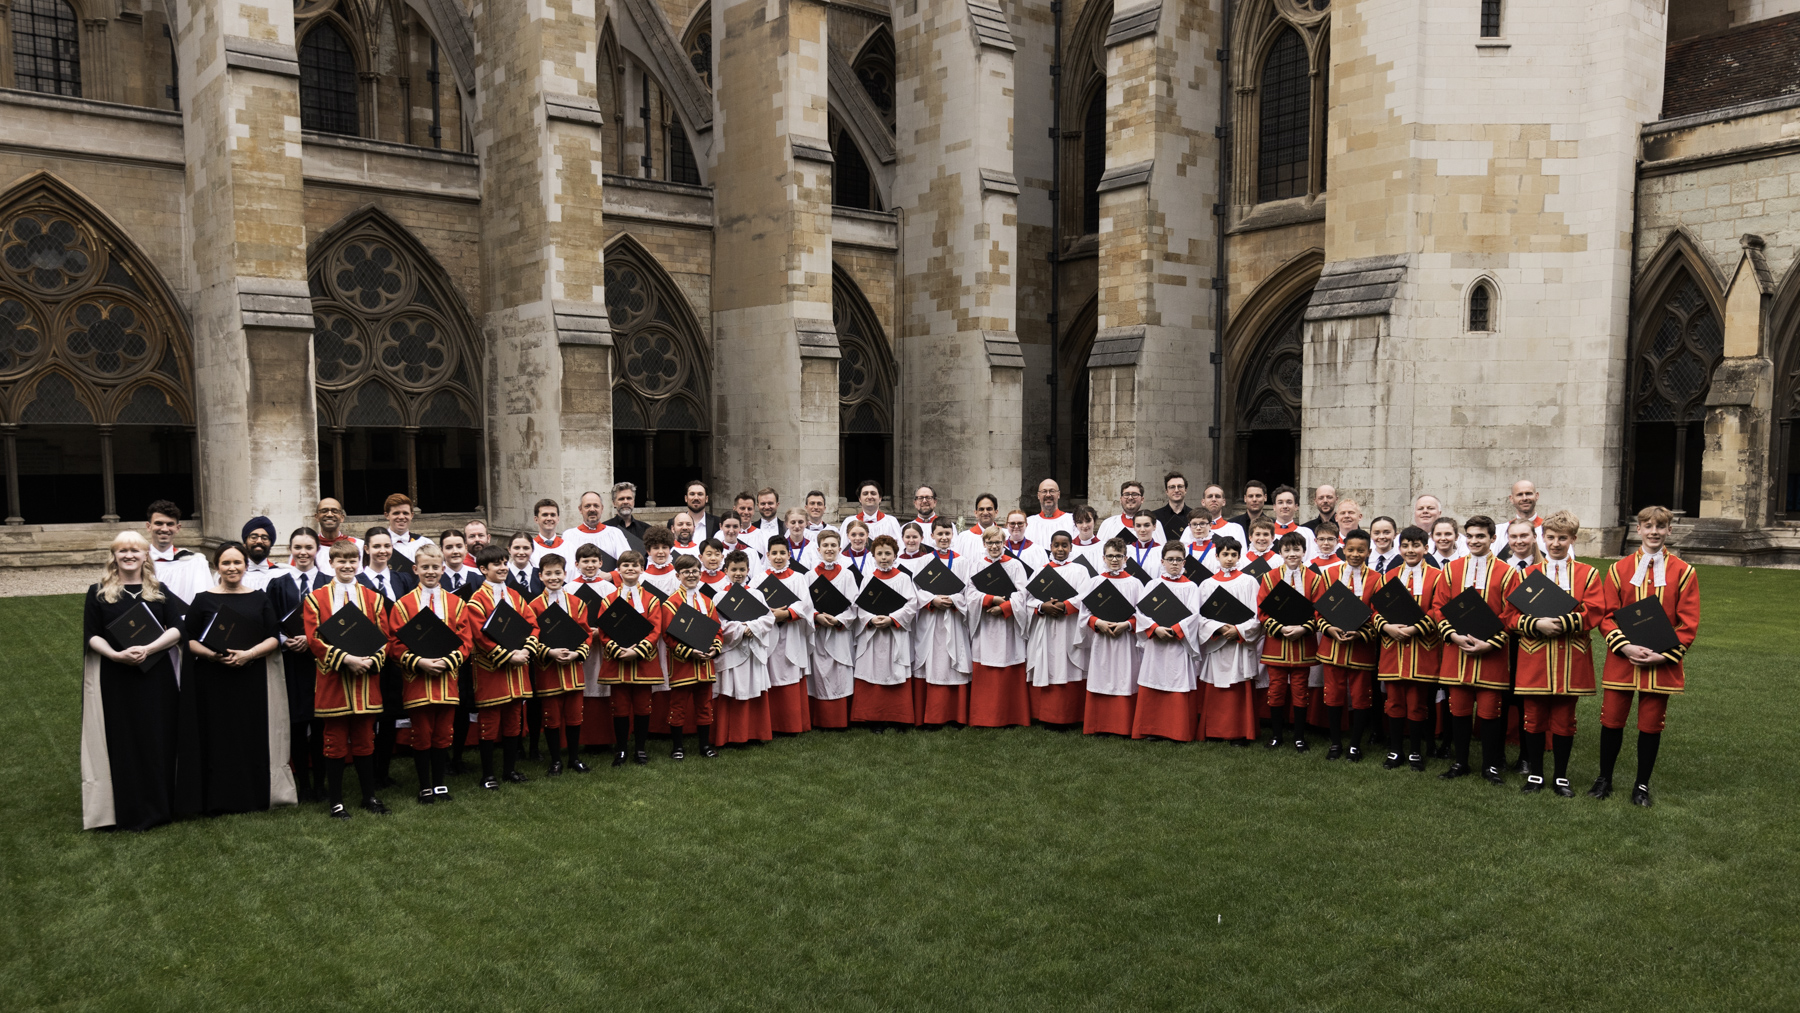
549,372
772,263
252,323
1151,391
960,363
1736,477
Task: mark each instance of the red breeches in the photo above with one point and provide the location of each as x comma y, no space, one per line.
357,731
433,726
691,704
1357,684
1482,703
1411,700
1615,707
504,721
628,701
563,709
1556,711
1289,684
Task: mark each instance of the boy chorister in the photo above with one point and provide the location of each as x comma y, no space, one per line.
831,679
940,643
1054,646
1349,656
1112,654
1228,654
741,694
429,685
883,696
502,677
632,671
691,673
790,655
1476,671
1555,661
557,677
1411,656
1167,707
596,711
1650,572
347,689
1262,545
1290,651
997,684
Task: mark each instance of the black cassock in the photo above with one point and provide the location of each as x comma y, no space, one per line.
231,707
140,708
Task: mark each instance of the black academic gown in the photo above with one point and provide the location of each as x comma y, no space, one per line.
232,708
141,712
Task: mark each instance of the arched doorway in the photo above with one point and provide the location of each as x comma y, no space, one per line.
662,418
1269,401
866,377
397,372
1679,340
1076,345
96,376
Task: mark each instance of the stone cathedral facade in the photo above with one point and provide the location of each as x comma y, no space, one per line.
256,252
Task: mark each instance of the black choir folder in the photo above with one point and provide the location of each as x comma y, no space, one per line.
1397,605
558,629
355,634
591,598
624,625
1644,623
1048,585
427,636
739,605
827,599
1468,614
1342,610
1163,606
776,594
878,598
1286,605
231,630
993,579
1225,607
935,578
1195,570
1540,598
506,627
1107,603
136,628
693,629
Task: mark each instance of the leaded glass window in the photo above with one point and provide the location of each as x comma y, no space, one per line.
327,82
1286,120
46,47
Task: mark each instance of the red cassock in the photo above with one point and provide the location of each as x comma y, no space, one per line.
1629,581
1477,681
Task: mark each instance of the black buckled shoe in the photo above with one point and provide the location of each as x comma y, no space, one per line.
1354,754
338,812
1602,787
1533,784
515,776
641,758
427,796
491,783
1300,745
619,758
1394,761
1273,743
373,804
1456,770
1336,752
1416,761
707,750
1493,776
1562,789
1640,795
579,767
555,769
678,753
442,792
1442,752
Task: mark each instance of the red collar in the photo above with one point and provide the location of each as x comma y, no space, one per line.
781,574
1115,576
921,554
547,545
1052,517
1219,522
1224,575
1092,541
684,545
827,570
1174,580
885,574
1282,529
584,529
1019,547
659,570
866,519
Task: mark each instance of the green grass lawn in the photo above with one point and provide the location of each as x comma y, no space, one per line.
1020,869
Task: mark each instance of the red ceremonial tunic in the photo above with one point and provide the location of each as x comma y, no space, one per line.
496,681
338,692
1362,653
554,678
685,667
422,689
1561,664
634,671
1680,596
1301,651
1418,659
1490,670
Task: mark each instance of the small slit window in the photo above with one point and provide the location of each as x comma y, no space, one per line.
1481,307
1490,19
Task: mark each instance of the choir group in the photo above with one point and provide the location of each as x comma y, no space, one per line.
234,683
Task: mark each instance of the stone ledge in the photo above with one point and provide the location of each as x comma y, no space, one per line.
1125,176
995,181
1275,214
92,107
989,23
581,323
1357,288
354,143
1133,24
812,153
274,303
573,109
1003,351
1117,346
818,339
268,57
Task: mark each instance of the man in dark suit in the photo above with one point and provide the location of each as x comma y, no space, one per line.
624,497
1325,501
706,523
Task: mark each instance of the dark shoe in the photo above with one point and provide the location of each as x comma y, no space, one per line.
426,796
1602,788
1533,784
1520,766
491,783
1562,789
708,751
619,758
1493,775
579,767
1273,743
1300,745
305,795
555,769
373,804
442,792
1416,761
1640,795
516,777
1336,752
1393,762
678,753
1456,770
1355,754
641,758
338,812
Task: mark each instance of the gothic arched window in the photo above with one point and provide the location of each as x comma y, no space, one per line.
95,366
662,418
397,371
699,43
874,66
1671,373
1285,121
1481,300
1269,401
852,185
327,81
46,47
866,377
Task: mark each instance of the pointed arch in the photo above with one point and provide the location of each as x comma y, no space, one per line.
334,47
662,377
1083,126
697,43
1678,338
1280,96
874,69
397,369
867,375
87,327
1076,346
1264,360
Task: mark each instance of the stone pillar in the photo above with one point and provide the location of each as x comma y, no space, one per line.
771,292
1735,474
1151,400
252,323
961,368
549,371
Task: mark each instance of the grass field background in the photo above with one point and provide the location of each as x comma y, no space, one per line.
992,869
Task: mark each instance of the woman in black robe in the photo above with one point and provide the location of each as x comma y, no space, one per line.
130,698
239,729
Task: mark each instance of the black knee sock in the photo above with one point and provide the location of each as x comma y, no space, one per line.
572,742
1396,736
422,766
1493,743
675,736
1299,719
461,724
509,753
1531,750
1611,740
1334,722
1421,735
1447,721
1359,724
552,744
621,735
1277,719
315,736
1460,731
1563,746
384,747
1648,744
334,781
440,765
365,775
487,758
640,728
298,756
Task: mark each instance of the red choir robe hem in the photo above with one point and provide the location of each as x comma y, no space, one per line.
736,721
829,713
1228,713
944,705
1107,714
788,712
1164,714
883,703
1059,705
997,696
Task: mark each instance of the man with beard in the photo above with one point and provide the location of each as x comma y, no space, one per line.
605,537
258,537
624,497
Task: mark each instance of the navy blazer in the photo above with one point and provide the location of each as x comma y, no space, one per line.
472,579
531,589
399,583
